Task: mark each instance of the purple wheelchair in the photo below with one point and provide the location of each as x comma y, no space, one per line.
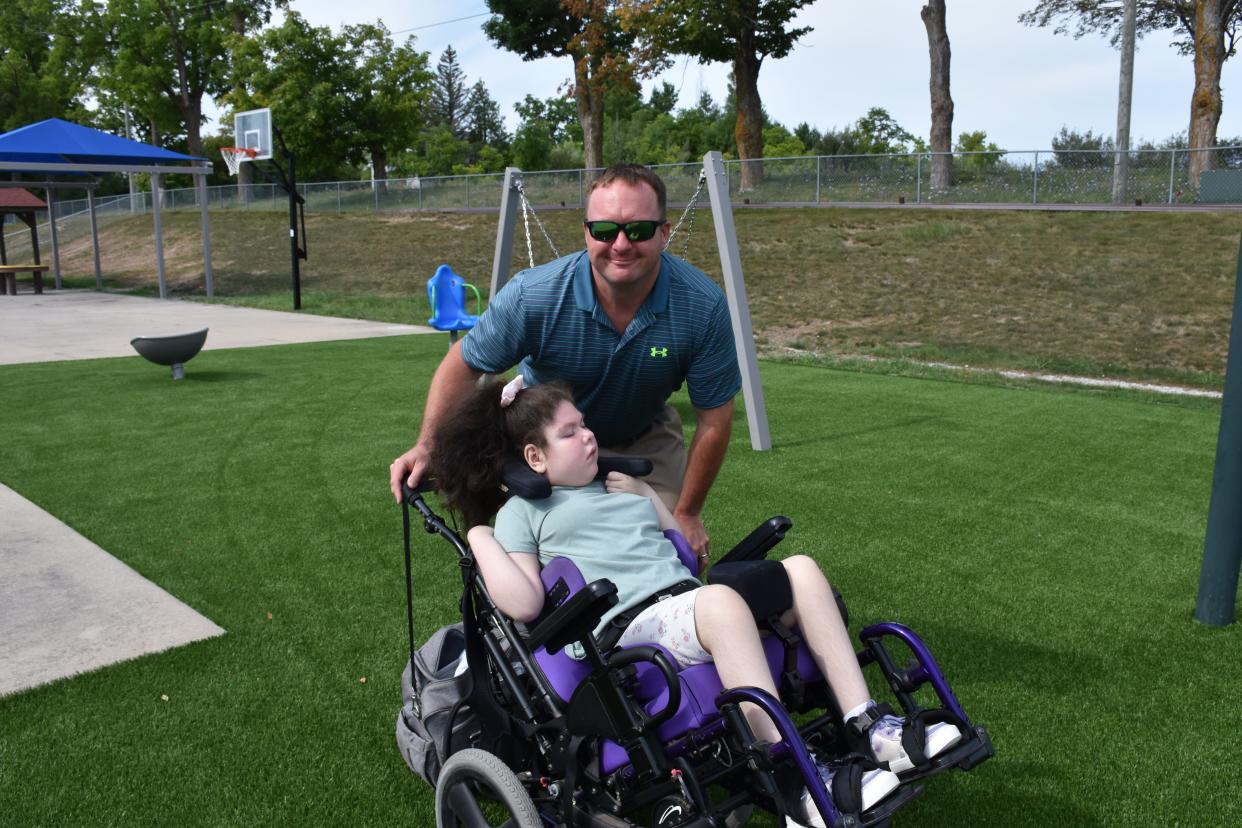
622,737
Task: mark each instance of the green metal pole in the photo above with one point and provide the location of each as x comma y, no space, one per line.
1222,547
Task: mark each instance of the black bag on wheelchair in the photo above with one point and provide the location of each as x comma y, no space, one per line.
435,719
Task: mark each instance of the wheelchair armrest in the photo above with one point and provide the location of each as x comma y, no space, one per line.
575,619
756,545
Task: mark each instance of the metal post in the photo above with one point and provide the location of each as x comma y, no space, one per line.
739,307
467,192
90,204
503,254
51,220
1172,172
818,163
1222,546
294,252
1035,181
918,179
200,181
159,233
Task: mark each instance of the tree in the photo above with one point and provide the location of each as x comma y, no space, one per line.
663,98
879,133
555,115
295,69
941,100
1208,30
779,142
548,129
47,49
1075,150
165,55
387,89
980,154
448,94
586,31
740,32
337,99
483,124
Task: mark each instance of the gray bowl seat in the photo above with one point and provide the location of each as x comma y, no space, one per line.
172,350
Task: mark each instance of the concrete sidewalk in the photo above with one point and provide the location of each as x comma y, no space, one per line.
67,606
85,324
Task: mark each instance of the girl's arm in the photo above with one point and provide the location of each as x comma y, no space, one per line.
618,482
512,580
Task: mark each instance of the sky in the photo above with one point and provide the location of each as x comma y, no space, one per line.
1018,84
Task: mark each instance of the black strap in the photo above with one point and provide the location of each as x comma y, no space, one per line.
793,690
409,580
858,729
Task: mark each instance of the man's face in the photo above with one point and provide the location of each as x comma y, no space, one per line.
622,262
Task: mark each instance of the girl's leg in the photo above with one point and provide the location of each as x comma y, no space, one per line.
727,630
815,614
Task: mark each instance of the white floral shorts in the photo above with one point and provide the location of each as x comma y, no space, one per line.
669,623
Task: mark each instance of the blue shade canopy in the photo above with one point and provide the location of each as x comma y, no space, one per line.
60,142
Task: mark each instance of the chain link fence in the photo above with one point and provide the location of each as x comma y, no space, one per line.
1045,177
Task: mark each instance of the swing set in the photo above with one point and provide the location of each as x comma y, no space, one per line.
714,178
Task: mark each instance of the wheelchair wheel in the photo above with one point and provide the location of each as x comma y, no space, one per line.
475,789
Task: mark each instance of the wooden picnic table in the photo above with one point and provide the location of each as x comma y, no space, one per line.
9,273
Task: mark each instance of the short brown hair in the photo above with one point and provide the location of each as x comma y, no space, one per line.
633,175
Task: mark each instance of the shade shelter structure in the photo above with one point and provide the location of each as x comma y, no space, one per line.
15,201
56,154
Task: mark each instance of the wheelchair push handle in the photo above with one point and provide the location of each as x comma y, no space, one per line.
410,494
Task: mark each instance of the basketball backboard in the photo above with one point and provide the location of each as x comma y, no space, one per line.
253,130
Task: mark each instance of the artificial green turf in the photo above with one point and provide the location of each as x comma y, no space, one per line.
1045,542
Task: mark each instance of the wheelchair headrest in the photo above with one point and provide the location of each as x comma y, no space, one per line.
523,481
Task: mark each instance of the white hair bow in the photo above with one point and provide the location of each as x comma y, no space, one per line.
511,389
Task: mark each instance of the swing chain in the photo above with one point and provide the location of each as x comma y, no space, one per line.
691,210
528,210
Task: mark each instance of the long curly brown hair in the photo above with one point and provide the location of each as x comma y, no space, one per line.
476,438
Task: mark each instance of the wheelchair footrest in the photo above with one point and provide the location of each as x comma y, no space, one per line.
974,748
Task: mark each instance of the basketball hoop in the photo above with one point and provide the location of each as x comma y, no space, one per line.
233,157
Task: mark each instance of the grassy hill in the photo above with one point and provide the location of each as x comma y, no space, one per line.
1138,295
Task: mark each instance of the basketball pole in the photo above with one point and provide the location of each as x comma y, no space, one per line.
1222,545
297,251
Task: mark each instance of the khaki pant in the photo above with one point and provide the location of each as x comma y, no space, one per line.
665,446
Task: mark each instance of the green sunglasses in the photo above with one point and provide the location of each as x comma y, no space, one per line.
635,231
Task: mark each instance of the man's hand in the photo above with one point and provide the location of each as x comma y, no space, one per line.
409,467
696,535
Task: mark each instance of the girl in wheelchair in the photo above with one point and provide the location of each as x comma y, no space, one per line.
614,529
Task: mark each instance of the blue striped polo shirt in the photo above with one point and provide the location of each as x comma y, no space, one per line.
547,319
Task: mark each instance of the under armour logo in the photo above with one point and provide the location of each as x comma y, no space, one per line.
659,352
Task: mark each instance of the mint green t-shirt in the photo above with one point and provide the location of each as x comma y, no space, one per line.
608,535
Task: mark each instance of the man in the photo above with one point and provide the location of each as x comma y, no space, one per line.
624,324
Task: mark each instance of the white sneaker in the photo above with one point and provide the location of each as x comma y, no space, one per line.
876,785
886,742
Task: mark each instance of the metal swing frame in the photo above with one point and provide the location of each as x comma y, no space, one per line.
716,179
